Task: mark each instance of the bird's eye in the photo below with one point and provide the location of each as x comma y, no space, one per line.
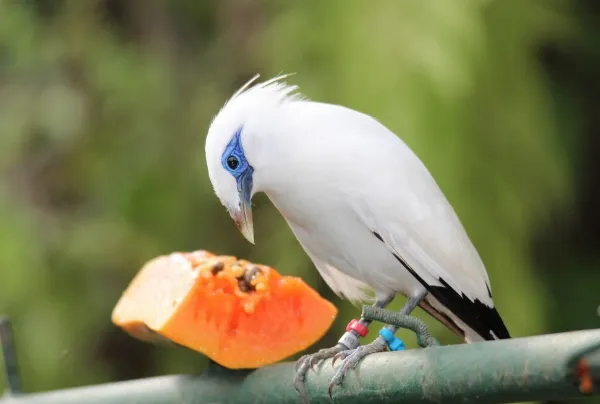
232,162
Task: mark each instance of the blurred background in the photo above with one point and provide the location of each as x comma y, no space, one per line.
105,105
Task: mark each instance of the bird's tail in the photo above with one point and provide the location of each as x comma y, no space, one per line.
487,327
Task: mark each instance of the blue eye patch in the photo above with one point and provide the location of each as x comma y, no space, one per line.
234,161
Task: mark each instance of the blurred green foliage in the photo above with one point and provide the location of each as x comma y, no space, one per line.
104,107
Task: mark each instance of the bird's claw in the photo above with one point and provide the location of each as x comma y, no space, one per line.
341,355
307,362
314,360
350,359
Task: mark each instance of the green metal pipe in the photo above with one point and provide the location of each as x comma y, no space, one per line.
535,368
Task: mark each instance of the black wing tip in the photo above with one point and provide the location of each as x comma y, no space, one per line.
483,319
499,329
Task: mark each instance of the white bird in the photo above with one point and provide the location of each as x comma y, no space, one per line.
363,206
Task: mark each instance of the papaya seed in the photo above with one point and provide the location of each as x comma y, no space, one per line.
217,267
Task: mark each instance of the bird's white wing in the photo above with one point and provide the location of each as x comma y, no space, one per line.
421,230
409,212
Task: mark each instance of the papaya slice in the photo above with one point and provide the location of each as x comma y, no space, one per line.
239,314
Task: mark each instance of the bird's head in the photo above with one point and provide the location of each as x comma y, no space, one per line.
232,148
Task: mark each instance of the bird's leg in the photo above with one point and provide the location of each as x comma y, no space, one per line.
394,318
352,356
350,340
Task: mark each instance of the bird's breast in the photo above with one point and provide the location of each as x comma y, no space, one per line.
333,234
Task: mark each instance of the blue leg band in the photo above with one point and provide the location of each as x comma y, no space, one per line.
394,343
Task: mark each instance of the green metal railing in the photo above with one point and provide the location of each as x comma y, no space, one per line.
546,367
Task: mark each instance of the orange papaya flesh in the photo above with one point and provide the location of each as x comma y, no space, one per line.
239,314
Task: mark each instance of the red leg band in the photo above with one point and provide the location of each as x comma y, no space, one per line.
355,325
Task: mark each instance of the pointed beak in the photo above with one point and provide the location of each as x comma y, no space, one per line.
242,216
243,220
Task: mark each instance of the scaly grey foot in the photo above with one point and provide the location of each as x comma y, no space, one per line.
307,362
347,343
351,357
